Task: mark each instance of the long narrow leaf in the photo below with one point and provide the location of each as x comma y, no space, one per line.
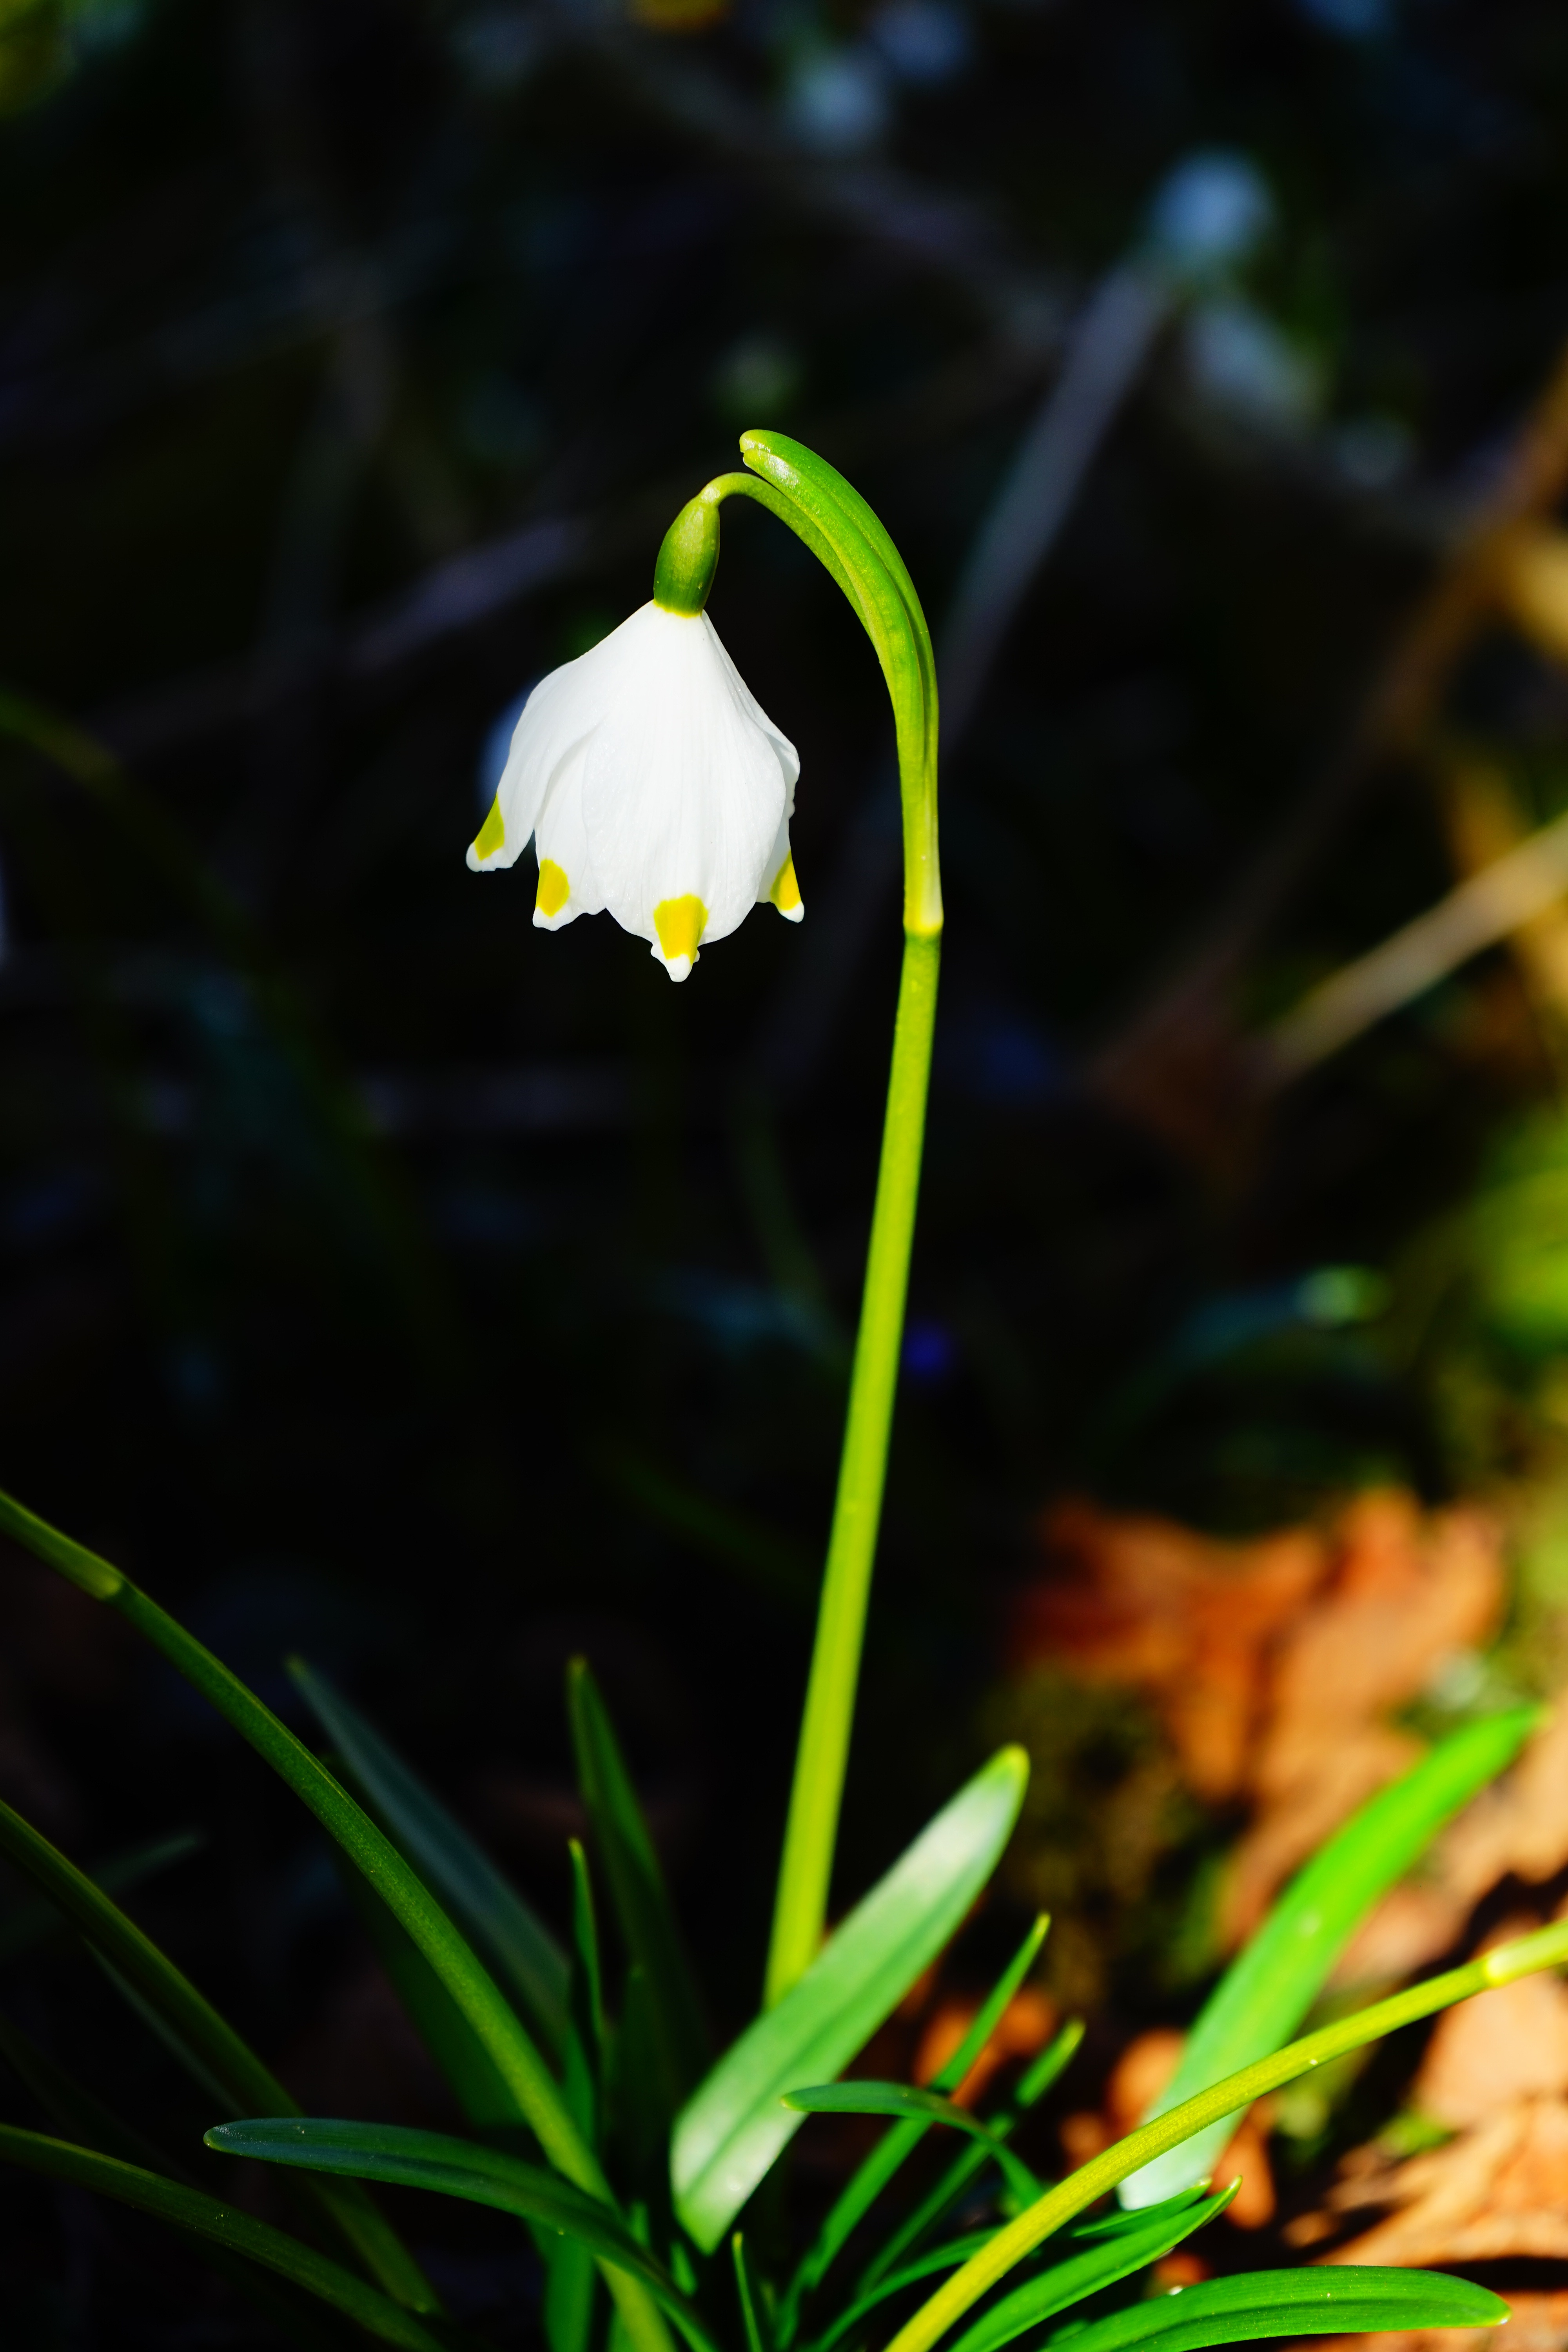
522,1953
1339,2302
895,2147
1506,1964
453,2168
637,1886
465,1976
906,2104
75,2112
35,1923
749,2296
570,2290
485,2098
936,2258
189,2209
1267,1991
734,2127
1031,2088
480,2089
1089,2270
217,2057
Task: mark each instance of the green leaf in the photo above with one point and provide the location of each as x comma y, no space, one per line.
471,1985
569,2293
936,2258
190,2210
72,2109
1504,1964
750,2300
35,1923
637,1887
482,2092
1032,2087
1267,1991
1096,2264
906,2103
891,2151
212,2053
734,2125
1329,2301
522,1955
453,2168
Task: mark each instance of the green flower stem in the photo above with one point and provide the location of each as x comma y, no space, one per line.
841,531
466,1979
1547,1948
822,1754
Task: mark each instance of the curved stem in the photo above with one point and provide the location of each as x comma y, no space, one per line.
833,520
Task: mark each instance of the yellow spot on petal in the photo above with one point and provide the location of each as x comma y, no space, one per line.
553,888
680,923
785,892
492,834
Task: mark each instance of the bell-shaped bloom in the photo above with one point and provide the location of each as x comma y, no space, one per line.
652,784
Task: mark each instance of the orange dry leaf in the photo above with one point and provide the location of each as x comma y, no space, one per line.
1408,1592
1498,2190
1274,1666
1184,1619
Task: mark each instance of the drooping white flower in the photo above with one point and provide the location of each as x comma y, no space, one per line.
652,784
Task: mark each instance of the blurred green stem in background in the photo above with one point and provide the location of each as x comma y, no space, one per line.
841,531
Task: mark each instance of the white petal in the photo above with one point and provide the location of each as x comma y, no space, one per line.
685,786
566,884
563,707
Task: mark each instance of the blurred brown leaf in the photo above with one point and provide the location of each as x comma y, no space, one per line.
1274,1664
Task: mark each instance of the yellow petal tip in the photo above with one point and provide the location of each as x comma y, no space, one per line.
679,923
554,889
785,892
490,837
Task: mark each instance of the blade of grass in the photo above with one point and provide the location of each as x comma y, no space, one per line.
1029,2091
1290,2303
223,2064
475,2082
734,2127
1100,2264
189,2209
905,2104
473,1988
1270,1988
894,2149
638,1890
456,2168
569,2295
484,2096
936,2258
519,1950
746,2292
1546,1949
73,2110
34,1923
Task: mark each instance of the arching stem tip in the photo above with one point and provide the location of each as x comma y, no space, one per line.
689,556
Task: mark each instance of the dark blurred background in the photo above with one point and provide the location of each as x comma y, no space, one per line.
390,1282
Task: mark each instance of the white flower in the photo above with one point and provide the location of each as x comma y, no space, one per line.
650,783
